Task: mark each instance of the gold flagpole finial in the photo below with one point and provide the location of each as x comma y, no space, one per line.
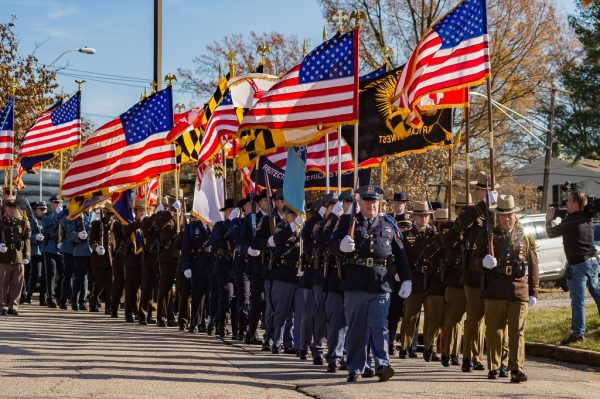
263,50
357,16
13,87
154,87
388,53
144,95
340,18
231,57
179,107
325,35
79,83
304,49
170,78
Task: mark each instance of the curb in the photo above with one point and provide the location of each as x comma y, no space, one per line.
563,354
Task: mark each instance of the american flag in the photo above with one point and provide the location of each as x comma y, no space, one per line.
319,93
54,131
125,151
316,154
184,122
223,122
149,189
7,127
453,54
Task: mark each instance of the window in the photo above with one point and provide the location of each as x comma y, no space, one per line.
540,229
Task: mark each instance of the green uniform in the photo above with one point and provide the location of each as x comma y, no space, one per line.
15,235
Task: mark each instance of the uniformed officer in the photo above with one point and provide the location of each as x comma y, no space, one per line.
53,261
240,267
66,247
195,262
375,255
398,205
334,295
15,251
101,260
121,244
511,279
415,240
167,264
454,294
79,232
149,266
37,258
133,261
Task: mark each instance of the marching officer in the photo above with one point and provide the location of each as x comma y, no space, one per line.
398,205
101,260
121,244
53,261
66,247
15,252
79,232
195,262
240,268
149,267
167,264
37,258
133,261
375,255
511,279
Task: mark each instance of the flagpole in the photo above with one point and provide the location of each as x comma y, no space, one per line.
224,175
41,172
339,160
327,181
491,131
357,16
467,154
450,167
177,196
60,181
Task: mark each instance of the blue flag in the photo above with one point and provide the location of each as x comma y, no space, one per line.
293,181
121,206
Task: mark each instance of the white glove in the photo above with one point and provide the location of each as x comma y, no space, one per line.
493,196
396,277
187,273
349,210
271,242
337,208
3,248
59,209
26,262
532,301
176,205
347,244
160,207
59,245
39,237
234,213
405,289
100,250
82,235
322,210
253,252
296,222
489,262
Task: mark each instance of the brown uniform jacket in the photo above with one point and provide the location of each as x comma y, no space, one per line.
453,246
511,250
97,240
414,245
16,234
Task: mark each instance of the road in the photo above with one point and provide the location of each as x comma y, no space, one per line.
52,353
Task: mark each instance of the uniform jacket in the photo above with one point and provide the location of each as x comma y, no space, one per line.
415,243
50,224
82,223
16,235
194,246
286,254
36,228
100,235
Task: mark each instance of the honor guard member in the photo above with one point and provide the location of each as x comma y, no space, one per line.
79,233
149,267
195,262
434,292
318,277
133,261
256,261
15,252
101,260
182,284
454,293
167,263
222,244
53,261
240,267
334,296
37,257
415,240
66,247
511,280
284,264
398,205
118,265
375,255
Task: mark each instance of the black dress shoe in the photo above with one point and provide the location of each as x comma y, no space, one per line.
571,339
128,319
235,337
43,303
28,300
150,321
454,360
114,315
493,375
352,378
143,322
94,309
318,361
427,354
290,351
403,354
107,312
74,307
392,351
445,360
517,376
467,366
4,312
62,306
342,366
201,329
332,368
502,372
478,366
161,323
412,354
13,312
303,355
385,373
82,307
266,347
275,351
435,357
171,323
181,327
368,373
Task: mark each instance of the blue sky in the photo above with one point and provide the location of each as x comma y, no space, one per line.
121,32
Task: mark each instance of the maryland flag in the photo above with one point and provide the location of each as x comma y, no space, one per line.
215,100
188,145
80,203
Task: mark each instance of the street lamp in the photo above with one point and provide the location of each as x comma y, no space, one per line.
84,50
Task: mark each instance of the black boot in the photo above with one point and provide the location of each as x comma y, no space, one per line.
445,360
427,353
467,366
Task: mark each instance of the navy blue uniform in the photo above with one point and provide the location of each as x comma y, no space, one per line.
53,261
37,272
223,247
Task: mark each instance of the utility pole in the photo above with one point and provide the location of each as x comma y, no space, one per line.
548,159
158,43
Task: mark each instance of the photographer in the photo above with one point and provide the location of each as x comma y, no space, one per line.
582,269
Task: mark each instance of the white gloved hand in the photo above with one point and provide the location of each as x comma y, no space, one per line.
405,289
160,207
349,210
337,208
396,277
82,235
489,262
59,208
176,205
59,245
322,210
271,242
234,213
493,196
39,237
187,273
347,244
100,250
25,261
253,252
3,248
296,222
532,301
